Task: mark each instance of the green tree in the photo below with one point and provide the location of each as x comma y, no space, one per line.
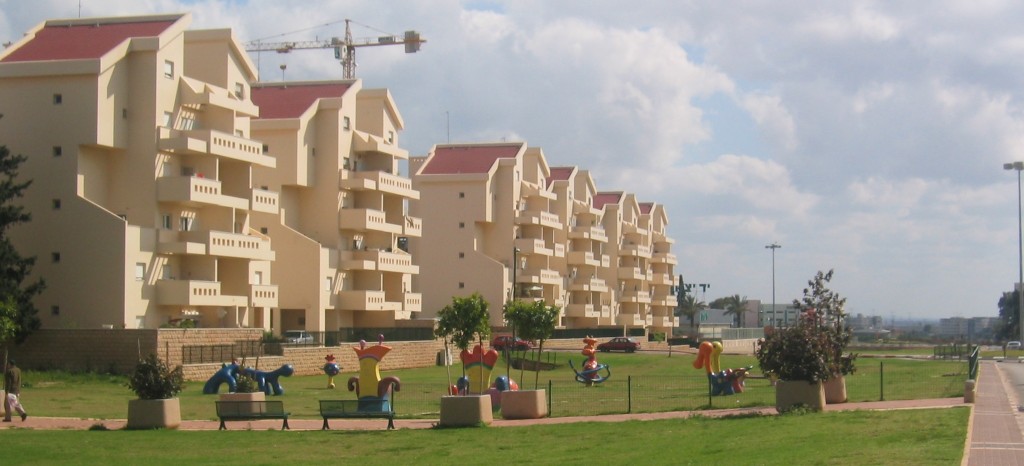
689,308
735,306
461,321
18,316
1009,317
827,310
534,321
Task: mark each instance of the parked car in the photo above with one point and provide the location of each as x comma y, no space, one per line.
1013,345
501,341
297,337
628,345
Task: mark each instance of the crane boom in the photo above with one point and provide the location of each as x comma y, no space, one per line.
344,49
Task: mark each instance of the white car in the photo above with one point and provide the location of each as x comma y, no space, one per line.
1013,345
297,336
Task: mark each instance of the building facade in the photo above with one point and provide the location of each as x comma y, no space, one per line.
137,135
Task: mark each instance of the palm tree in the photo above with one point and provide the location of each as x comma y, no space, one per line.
736,306
690,307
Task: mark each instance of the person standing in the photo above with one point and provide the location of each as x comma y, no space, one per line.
12,380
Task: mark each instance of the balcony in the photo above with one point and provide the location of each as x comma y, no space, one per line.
532,246
631,273
662,321
530,189
195,293
595,233
583,258
635,320
637,250
582,310
263,296
378,181
383,261
632,228
215,243
664,301
413,227
635,296
366,300
664,258
367,220
559,250
544,276
212,142
196,94
365,142
265,201
661,279
413,302
595,285
538,217
196,192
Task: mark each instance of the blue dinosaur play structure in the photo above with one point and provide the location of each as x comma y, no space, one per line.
268,382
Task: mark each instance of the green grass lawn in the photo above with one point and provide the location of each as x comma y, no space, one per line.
909,437
641,382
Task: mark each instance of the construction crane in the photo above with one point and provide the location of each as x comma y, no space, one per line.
344,49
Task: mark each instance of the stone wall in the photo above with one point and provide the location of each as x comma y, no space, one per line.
101,350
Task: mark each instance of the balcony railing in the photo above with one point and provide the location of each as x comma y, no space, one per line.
539,217
367,220
631,273
213,142
225,244
413,227
638,250
366,300
195,293
413,302
265,201
384,261
664,258
378,181
582,310
593,284
532,246
195,191
595,233
263,296
583,258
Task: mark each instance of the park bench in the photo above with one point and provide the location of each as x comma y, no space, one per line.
251,411
364,408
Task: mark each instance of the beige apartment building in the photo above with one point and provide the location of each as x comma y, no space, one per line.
137,134
499,221
341,238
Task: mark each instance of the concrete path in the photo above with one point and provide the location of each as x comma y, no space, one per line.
994,436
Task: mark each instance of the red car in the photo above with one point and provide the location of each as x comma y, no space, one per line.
501,341
628,345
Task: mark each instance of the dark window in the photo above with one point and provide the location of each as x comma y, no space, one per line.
55,256
58,99
58,151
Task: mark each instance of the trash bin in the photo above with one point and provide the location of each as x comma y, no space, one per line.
444,358
969,391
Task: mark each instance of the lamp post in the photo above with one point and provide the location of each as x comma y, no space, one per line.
1018,166
773,247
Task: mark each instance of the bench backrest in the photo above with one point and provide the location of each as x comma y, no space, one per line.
249,408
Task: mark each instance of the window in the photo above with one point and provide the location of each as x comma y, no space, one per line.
462,195
257,278
266,149
462,224
55,257
185,224
58,99
165,272
140,271
239,90
165,221
346,123
312,151
328,283
238,133
168,69
58,151
264,230
462,285
391,137
167,119
462,255
124,113
56,204
54,310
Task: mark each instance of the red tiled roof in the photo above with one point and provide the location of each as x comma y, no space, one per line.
600,199
646,207
91,41
292,100
449,160
560,174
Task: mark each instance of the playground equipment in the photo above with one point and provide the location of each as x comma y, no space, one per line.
591,372
370,388
723,382
228,374
478,366
269,381
332,369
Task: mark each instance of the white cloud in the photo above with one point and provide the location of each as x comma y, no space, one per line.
770,113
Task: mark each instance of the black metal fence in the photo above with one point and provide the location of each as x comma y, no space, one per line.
200,354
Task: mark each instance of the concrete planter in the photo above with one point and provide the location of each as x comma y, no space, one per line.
524,404
154,414
835,390
792,393
466,411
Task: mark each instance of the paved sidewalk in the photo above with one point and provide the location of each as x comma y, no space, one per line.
994,434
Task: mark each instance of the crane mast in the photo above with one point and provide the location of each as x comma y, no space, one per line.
344,49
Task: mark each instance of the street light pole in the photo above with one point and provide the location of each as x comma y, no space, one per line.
1018,166
773,247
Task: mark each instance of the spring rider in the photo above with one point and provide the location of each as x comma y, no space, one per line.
332,369
591,373
723,382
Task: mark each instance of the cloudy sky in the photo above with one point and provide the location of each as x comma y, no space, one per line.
865,137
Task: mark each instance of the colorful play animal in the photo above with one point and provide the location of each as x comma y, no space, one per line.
478,365
226,374
591,368
723,382
268,381
371,389
332,369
